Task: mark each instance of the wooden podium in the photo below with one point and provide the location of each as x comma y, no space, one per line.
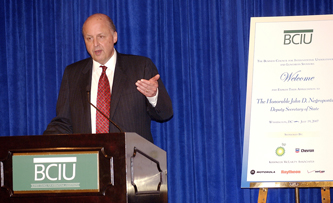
126,167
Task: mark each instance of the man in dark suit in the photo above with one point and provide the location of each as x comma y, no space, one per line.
137,92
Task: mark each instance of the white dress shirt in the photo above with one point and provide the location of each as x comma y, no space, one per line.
96,74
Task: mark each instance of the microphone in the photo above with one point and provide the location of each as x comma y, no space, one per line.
113,123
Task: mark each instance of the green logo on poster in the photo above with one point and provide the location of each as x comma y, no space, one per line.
280,151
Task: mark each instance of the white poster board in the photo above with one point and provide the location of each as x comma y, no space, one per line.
288,133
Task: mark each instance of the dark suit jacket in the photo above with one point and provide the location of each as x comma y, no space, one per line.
129,108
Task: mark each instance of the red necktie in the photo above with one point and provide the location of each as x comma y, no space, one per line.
103,103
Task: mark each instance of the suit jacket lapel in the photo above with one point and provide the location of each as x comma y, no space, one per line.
85,86
117,87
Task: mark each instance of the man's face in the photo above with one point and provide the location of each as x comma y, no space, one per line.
99,38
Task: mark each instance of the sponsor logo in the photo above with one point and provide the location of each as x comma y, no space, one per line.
307,150
252,172
297,150
298,37
290,172
280,151
265,171
315,171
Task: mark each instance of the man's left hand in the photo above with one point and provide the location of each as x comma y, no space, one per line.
148,87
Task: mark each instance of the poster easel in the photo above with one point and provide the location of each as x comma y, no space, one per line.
263,189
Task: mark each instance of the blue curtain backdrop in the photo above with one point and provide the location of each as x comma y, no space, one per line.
200,48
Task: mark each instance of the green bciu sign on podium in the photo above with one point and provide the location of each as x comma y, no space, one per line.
55,171
116,167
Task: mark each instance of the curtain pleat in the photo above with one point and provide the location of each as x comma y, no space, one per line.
201,51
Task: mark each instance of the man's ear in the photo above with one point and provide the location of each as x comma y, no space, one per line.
115,37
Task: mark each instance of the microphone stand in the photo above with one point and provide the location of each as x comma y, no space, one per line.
104,114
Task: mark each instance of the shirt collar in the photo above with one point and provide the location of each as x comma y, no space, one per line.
111,63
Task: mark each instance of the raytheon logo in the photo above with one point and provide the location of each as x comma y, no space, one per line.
54,168
298,37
